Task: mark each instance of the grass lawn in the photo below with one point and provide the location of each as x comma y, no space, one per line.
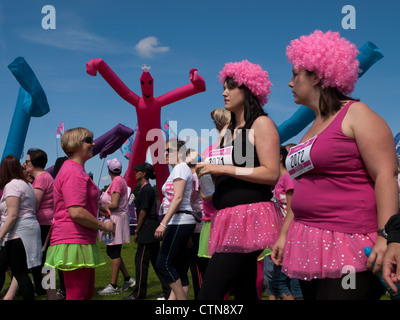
103,274
103,277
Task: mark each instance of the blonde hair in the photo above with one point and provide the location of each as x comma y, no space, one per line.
72,139
221,118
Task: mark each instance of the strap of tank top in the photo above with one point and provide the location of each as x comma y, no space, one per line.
342,113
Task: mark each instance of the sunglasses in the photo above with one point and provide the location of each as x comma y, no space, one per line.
88,140
170,150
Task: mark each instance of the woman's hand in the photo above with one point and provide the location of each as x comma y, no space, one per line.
159,233
277,250
108,226
103,210
391,265
377,254
210,168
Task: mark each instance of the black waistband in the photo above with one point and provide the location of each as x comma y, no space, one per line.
198,219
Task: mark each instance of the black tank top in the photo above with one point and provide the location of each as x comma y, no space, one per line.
230,191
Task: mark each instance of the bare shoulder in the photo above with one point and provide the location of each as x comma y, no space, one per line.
263,127
361,119
360,109
262,123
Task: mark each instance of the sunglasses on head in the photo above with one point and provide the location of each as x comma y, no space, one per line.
88,140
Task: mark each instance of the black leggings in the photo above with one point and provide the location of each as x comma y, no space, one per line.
114,251
230,271
367,287
16,257
3,266
172,261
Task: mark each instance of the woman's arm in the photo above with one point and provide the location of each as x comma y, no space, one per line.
266,140
85,218
179,187
39,193
141,217
12,215
376,145
277,250
114,201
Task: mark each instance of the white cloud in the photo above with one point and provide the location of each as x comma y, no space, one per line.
147,47
71,38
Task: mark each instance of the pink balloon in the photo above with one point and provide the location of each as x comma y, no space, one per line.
148,111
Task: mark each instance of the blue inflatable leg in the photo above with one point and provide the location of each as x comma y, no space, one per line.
31,102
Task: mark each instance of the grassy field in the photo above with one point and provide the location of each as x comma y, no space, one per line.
103,277
103,274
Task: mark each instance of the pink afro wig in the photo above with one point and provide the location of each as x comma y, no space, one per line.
251,75
332,58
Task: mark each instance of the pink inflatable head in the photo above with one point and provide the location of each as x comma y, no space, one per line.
146,82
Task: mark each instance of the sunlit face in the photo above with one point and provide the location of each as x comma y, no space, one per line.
171,154
86,150
233,97
28,165
302,87
146,83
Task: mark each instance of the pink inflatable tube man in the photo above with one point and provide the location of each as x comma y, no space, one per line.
148,110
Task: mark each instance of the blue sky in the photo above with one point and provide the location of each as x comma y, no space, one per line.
189,34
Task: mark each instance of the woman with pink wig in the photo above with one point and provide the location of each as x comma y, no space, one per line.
345,173
246,166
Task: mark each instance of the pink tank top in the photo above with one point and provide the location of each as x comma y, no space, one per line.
338,193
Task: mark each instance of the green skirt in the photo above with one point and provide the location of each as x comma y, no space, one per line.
68,257
203,241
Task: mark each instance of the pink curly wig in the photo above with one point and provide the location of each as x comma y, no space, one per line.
332,58
251,75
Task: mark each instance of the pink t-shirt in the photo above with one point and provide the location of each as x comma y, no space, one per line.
119,185
73,187
284,184
338,193
44,182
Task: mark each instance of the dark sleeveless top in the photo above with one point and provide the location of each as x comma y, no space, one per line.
230,191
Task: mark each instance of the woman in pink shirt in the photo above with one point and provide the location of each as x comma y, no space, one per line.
73,247
115,202
42,184
345,170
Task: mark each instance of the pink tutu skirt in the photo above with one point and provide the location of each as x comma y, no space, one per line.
245,228
312,253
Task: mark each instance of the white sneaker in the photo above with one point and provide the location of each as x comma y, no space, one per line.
109,289
128,284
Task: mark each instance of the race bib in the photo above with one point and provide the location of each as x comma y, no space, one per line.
298,160
220,156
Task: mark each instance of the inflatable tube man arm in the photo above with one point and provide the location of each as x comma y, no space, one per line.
113,80
196,85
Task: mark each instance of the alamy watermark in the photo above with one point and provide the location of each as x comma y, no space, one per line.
349,20
242,153
49,20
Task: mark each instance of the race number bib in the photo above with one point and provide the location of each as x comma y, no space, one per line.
298,160
220,156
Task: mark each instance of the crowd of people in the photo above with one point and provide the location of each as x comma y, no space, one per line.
288,219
